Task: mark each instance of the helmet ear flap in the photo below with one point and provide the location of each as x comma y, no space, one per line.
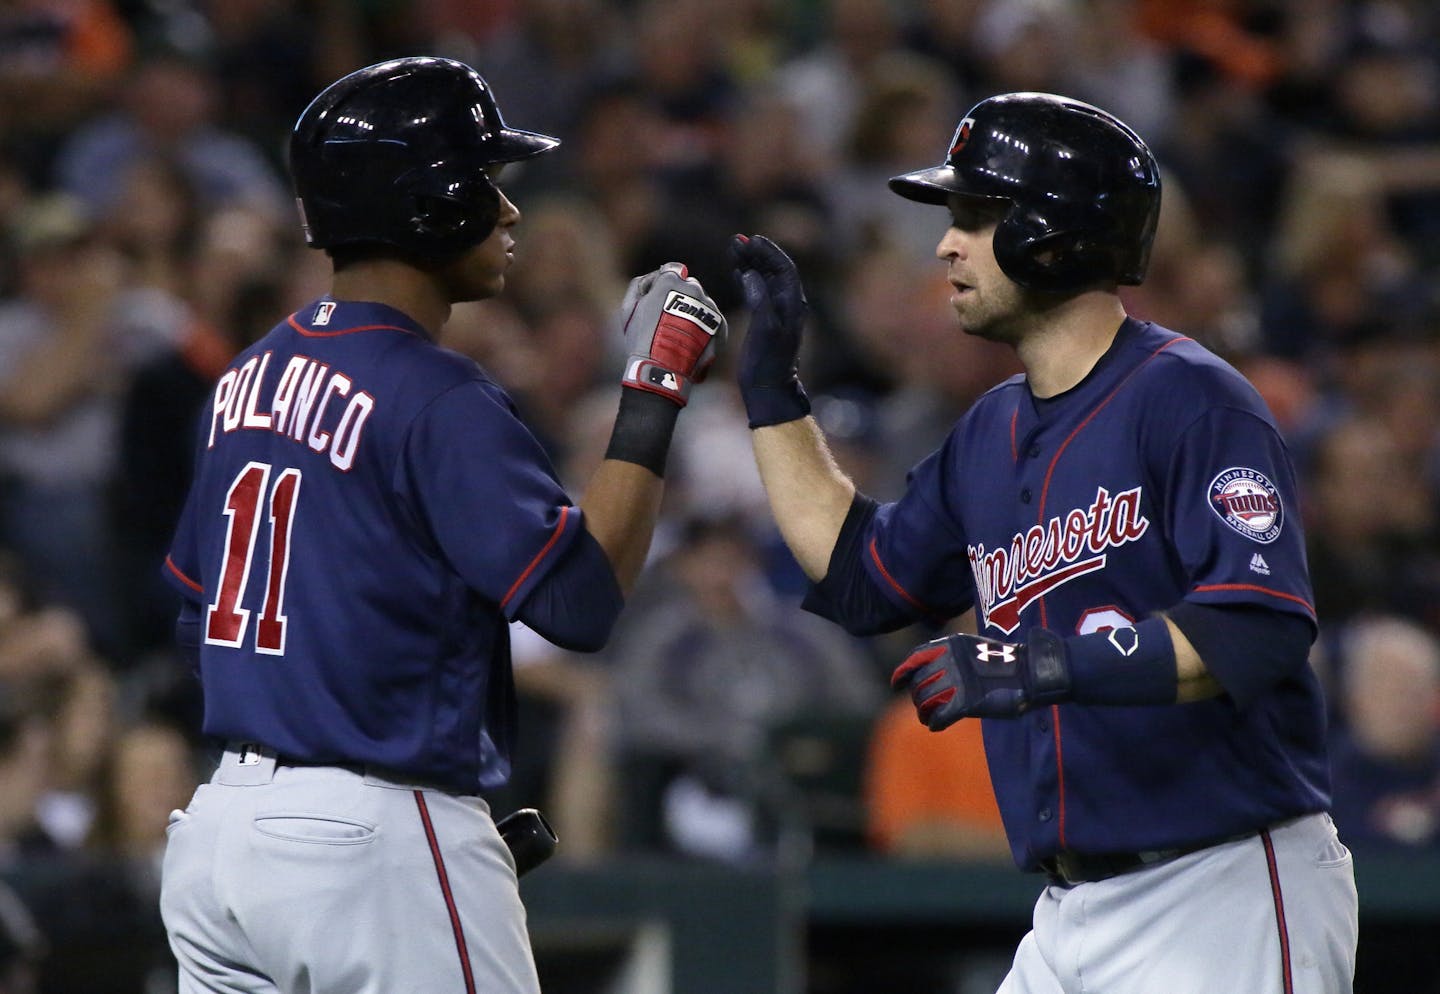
445,226
1038,255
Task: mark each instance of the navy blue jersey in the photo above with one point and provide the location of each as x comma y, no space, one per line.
367,515
1160,478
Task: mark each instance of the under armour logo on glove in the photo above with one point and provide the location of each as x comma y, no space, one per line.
987,651
673,331
967,676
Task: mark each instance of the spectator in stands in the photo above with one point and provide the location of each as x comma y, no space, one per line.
149,771
1110,62
825,83
944,30
1370,525
86,699
167,111
69,342
1386,756
907,106
1025,45
547,59
61,58
706,662
155,223
1317,300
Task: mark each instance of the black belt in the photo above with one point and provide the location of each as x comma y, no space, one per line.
1068,868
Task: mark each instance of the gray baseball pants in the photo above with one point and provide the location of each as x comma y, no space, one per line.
326,880
1274,913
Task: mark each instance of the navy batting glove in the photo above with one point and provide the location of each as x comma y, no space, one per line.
769,367
967,676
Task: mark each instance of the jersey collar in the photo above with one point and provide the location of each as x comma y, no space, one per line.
1102,373
329,318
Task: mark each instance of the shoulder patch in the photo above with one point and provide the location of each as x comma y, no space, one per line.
1248,502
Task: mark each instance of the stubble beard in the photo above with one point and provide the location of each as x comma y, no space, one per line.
999,321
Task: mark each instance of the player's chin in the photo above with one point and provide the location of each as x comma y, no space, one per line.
482,288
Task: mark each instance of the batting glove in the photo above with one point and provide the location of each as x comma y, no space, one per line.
769,370
672,331
967,676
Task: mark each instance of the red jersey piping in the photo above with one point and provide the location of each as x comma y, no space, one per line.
554,537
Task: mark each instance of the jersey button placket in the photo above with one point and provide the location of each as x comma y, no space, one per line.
1025,495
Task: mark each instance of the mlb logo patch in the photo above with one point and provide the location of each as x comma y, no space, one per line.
323,312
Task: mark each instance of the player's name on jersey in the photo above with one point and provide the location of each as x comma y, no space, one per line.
310,404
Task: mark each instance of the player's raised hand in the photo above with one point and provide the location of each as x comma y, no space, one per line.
967,676
673,331
769,373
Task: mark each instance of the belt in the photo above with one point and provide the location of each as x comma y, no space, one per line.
253,752
1067,868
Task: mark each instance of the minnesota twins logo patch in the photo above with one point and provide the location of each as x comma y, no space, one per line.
1248,502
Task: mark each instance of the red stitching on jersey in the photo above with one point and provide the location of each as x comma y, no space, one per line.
1059,774
449,895
554,537
1040,517
1014,452
183,578
309,333
1260,590
875,555
1289,982
1045,489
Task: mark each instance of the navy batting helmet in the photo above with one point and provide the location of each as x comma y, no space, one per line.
395,155
1083,189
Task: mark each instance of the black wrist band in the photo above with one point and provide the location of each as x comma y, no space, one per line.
643,428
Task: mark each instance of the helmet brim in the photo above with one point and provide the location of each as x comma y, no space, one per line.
512,145
928,186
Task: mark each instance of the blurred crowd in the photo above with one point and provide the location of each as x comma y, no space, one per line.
147,234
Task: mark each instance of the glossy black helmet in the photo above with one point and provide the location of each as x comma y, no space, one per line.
1083,189
395,155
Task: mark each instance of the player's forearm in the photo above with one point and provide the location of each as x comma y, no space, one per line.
621,506
809,495
1193,680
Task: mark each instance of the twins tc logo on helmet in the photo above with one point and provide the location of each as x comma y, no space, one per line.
1248,502
962,136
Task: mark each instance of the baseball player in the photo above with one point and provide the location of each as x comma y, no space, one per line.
368,514
1122,517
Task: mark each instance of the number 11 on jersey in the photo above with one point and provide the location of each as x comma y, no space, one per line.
226,620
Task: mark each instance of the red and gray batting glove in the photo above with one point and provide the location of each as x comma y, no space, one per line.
967,676
673,331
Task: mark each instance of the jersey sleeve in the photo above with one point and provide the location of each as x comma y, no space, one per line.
914,550
182,564
485,489
1233,513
